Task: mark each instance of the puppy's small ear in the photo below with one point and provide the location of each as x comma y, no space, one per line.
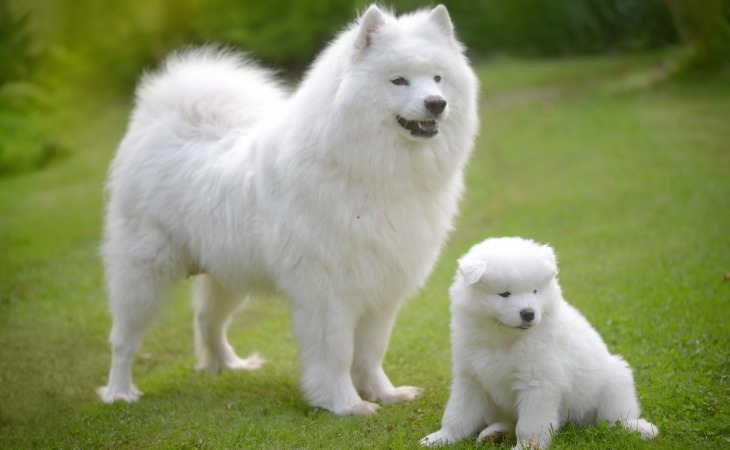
369,23
440,17
547,254
472,270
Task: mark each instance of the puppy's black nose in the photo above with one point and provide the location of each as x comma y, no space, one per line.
435,104
527,314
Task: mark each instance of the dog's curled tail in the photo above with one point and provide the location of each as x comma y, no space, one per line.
207,91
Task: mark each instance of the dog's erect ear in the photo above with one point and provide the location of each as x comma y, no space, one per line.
369,23
472,270
548,257
440,17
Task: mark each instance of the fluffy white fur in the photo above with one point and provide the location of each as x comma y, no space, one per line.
322,196
524,360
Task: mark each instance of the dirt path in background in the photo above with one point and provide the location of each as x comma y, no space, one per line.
608,83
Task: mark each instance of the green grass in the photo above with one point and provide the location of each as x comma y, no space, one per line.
628,180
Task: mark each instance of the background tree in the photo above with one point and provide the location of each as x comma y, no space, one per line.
704,26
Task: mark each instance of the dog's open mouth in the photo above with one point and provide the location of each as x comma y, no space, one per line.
520,328
420,128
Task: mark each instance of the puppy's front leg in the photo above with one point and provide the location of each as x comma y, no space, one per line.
466,412
537,419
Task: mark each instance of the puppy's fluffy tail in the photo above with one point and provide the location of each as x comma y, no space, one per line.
206,92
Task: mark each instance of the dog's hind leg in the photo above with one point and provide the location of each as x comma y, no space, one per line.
619,403
135,287
371,342
213,308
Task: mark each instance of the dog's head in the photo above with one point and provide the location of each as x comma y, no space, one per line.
511,281
413,68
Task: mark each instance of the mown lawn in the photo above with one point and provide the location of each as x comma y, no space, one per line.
625,174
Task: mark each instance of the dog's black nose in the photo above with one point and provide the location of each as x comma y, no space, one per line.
435,104
527,314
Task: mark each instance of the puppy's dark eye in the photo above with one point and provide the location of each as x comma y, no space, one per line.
535,291
505,294
437,78
399,81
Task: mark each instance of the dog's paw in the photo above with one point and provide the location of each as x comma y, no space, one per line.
365,408
400,394
532,443
232,362
493,432
438,438
648,430
111,395
253,362
361,408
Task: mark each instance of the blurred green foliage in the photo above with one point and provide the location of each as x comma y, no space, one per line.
15,56
704,26
23,145
56,52
112,40
563,27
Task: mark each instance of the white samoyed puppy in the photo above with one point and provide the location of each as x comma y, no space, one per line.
524,360
339,197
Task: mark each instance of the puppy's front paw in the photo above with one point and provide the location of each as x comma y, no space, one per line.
532,443
438,438
647,429
493,432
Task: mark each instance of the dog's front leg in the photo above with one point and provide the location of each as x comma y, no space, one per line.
371,342
325,331
466,411
537,418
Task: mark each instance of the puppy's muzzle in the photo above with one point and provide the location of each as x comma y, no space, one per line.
527,314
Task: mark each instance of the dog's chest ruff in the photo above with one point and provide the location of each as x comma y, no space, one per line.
495,371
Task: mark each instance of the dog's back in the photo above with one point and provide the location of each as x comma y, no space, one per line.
206,92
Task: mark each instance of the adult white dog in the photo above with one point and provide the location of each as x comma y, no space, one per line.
339,197
525,359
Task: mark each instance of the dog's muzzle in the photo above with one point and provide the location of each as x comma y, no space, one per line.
420,128
425,128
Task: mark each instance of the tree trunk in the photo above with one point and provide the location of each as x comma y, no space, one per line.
703,25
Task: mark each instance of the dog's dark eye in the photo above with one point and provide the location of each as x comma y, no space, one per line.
505,294
437,78
399,81
535,291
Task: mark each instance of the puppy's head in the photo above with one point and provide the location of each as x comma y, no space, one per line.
511,281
